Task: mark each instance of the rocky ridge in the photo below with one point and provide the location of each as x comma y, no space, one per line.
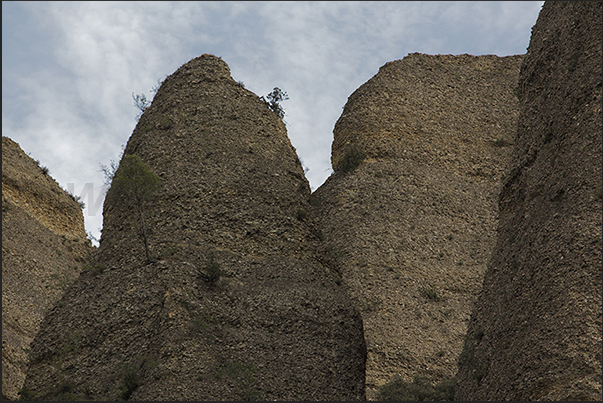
43,249
410,212
276,325
535,333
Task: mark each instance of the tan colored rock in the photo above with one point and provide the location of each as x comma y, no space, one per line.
43,248
277,325
413,225
535,333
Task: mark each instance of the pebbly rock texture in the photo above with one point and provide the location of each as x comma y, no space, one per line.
410,212
535,333
276,325
44,245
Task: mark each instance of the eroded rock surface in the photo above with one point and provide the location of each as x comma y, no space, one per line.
535,333
412,226
277,325
43,249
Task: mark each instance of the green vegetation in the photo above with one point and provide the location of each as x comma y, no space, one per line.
336,252
351,160
501,142
93,270
165,123
136,184
431,293
76,199
273,101
302,214
43,168
212,270
420,389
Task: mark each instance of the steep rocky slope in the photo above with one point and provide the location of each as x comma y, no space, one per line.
410,212
535,333
43,248
277,325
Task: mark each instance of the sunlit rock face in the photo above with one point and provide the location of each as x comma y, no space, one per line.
43,249
410,213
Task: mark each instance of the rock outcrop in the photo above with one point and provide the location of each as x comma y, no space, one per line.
410,212
276,325
535,333
44,245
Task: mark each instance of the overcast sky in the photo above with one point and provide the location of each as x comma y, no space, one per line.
69,68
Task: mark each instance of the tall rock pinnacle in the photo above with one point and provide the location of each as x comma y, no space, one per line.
419,152
238,303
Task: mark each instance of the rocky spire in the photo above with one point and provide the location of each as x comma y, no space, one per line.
239,303
419,152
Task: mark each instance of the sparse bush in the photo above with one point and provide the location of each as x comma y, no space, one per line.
302,214
431,293
212,270
351,160
135,181
109,171
420,389
43,168
500,142
166,123
77,199
141,102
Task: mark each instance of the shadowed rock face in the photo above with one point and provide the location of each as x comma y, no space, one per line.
277,325
413,225
535,333
43,248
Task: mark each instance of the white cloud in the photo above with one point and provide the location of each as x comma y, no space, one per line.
68,93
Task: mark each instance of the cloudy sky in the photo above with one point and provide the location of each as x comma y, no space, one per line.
69,68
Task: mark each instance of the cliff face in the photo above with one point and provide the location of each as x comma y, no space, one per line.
535,333
276,325
43,248
412,226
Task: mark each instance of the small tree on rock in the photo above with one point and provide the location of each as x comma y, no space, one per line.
136,184
273,100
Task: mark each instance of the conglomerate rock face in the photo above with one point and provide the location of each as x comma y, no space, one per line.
535,333
276,325
410,212
43,248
